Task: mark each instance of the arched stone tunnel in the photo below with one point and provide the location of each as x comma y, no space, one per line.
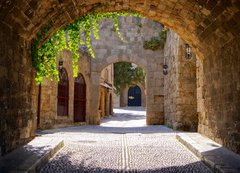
211,27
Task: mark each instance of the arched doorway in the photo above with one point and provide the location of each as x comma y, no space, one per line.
79,99
134,96
63,93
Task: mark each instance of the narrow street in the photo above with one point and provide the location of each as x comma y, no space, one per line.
122,143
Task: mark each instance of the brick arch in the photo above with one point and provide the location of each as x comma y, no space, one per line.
197,22
123,58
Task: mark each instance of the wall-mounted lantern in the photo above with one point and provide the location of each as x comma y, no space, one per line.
165,69
188,51
60,64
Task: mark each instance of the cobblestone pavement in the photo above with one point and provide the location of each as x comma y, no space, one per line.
122,143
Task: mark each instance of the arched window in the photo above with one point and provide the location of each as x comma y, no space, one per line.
63,93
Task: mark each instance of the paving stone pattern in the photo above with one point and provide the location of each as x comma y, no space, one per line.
210,27
122,143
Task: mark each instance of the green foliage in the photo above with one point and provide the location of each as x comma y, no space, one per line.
169,125
44,53
156,43
153,44
139,25
125,74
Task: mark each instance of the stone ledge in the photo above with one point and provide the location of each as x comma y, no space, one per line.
218,158
30,157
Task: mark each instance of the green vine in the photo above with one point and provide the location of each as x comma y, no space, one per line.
156,43
45,52
126,74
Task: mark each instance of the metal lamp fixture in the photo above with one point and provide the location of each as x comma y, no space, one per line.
165,69
188,51
60,64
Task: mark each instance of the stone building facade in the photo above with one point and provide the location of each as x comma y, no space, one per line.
48,110
98,75
110,49
106,91
180,101
48,106
210,27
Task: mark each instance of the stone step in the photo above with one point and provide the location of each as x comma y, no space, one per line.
217,157
30,157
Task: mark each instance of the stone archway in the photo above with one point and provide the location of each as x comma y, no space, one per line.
131,51
154,91
192,20
210,27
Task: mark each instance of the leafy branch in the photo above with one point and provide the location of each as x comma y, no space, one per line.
125,74
156,43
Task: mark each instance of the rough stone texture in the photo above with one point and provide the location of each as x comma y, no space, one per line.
116,101
217,157
32,156
220,114
105,104
210,27
49,89
17,97
122,143
180,100
108,50
198,22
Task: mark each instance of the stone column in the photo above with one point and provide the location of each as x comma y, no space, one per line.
202,119
94,118
107,103
155,94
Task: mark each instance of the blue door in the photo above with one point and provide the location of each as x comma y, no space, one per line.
134,96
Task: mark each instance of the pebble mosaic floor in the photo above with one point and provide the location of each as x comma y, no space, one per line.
122,143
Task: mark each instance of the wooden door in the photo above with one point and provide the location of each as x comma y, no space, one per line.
134,96
63,93
79,99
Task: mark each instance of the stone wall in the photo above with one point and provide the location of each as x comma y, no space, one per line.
116,100
106,91
219,110
49,90
110,49
180,100
17,94
211,27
